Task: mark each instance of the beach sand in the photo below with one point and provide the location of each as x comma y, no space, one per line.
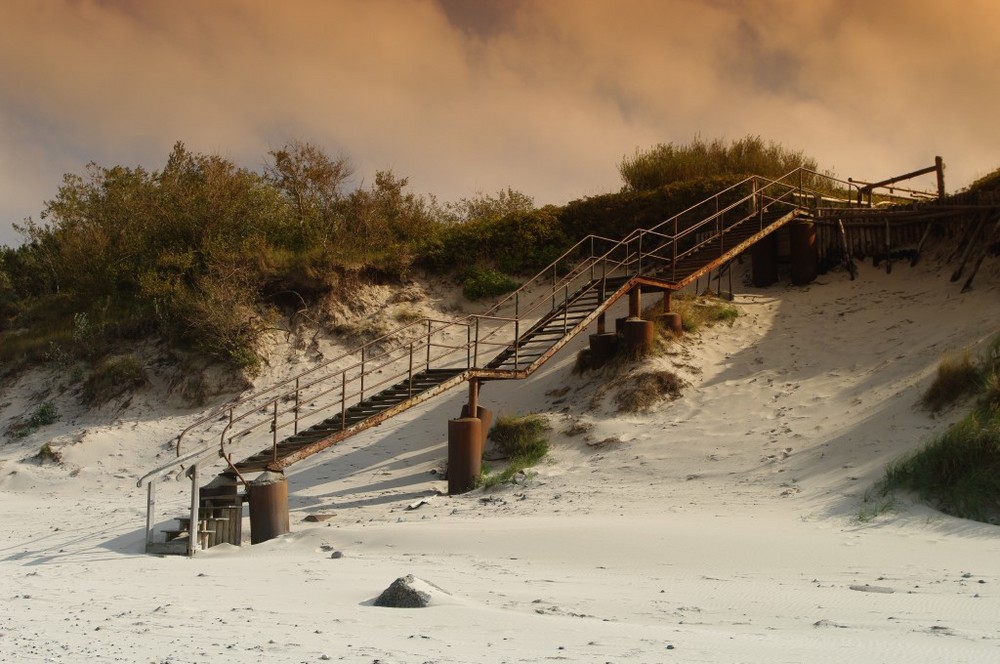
725,526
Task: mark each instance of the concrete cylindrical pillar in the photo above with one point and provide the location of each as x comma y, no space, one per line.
672,321
465,454
638,335
805,253
764,261
268,498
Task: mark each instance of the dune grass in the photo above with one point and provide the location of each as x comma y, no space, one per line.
957,377
958,471
523,439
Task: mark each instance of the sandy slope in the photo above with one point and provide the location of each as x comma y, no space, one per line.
717,528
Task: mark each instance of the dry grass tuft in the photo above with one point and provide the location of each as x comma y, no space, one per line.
643,391
113,378
957,377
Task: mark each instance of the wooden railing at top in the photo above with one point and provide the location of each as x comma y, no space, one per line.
666,243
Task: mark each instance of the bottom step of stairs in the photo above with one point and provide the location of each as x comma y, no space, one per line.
175,547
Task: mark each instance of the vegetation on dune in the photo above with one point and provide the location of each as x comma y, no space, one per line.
957,377
42,415
958,471
523,440
667,163
208,255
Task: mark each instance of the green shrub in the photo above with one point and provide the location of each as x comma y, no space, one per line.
483,282
48,455
665,163
44,414
517,243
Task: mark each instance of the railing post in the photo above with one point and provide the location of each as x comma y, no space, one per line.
150,512
475,352
343,400
592,266
468,346
194,526
410,379
939,165
428,345
517,304
638,269
295,429
718,228
274,433
517,341
565,307
362,393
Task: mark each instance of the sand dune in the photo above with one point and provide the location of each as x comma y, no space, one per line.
721,527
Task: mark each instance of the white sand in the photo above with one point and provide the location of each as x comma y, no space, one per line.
721,528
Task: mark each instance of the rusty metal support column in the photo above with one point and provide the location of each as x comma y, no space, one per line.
473,409
764,261
601,322
465,454
805,256
666,301
268,498
638,335
635,302
473,395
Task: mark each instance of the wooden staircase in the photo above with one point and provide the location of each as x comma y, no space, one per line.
360,389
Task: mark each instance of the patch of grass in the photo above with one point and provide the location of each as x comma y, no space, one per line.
523,439
703,310
875,503
113,378
44,414
408,313
48,455
643,391
957,377
958,472
483,282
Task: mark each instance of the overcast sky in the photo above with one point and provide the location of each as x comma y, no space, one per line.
545,96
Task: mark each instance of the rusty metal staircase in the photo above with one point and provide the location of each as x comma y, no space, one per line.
366,386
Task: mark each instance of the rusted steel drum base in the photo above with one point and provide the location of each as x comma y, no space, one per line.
638,335
268,498
465,454
764,261
602,347
620,325
805,254
672,321
485,416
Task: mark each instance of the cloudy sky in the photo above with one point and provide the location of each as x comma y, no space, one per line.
545,96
